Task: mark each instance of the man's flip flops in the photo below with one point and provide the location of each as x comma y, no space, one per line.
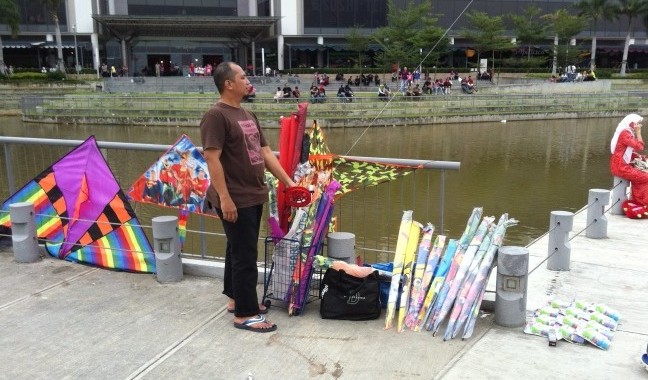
250,322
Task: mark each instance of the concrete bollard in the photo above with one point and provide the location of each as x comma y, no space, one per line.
619,195
511,286
23,232
166,245
341,246
559,248
597,222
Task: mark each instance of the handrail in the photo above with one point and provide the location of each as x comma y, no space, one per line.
426,164
8,141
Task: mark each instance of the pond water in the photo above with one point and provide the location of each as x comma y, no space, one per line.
524,168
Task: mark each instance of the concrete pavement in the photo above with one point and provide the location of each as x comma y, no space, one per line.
60,320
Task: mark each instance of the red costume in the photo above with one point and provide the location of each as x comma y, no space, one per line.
624,149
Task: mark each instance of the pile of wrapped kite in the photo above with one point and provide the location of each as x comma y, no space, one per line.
575,322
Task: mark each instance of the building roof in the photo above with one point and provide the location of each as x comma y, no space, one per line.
187,26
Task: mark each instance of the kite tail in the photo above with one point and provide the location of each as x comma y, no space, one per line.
183,215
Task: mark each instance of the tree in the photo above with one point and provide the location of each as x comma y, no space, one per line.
564,26
529,27
631,9
53,7
10,15
486,33
358,43
595,10
410,35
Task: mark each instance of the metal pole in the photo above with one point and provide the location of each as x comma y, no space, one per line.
442,200
10,177
263,61
76,50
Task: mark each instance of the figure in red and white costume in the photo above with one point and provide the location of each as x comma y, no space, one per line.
625,145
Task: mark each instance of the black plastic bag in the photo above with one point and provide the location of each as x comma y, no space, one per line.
349,297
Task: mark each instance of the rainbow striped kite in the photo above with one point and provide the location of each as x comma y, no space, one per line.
83,215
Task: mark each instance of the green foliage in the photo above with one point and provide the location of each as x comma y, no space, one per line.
530,28
358,43
565,25
487,33
596,10
28,75
409,35
55,75
10,15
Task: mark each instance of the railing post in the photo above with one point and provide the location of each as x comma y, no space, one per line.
9,168
619,195
559,248
341,246
166,245
23,232
511,286
596,220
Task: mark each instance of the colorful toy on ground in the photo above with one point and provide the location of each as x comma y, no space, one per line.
478,275
406,280
438,277
399,258
576,322
448,293
420,281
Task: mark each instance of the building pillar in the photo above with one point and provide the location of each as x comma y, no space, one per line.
94,40
280,52
252,8
253,52
124,53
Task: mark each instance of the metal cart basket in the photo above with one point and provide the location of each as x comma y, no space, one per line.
288,274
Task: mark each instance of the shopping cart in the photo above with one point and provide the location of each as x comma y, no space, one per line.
288,274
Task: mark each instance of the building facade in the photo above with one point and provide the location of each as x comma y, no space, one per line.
137,35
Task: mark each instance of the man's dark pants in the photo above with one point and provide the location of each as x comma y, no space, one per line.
241,273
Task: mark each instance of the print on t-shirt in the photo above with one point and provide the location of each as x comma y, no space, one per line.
252,141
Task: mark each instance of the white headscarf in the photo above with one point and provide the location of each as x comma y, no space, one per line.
625,124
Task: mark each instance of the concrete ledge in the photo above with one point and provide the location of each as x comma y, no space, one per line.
546,87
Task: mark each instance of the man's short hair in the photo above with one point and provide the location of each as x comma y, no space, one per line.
223,72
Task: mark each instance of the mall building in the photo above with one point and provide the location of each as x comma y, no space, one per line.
281,34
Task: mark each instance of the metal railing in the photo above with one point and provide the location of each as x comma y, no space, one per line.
372,213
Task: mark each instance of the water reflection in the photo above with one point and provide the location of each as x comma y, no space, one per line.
525,168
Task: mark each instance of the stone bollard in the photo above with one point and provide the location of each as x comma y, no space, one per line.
559,248
619,195
341,246
23,232
511,288
166,245
597,222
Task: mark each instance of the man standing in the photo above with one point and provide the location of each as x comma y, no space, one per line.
237,154
403,84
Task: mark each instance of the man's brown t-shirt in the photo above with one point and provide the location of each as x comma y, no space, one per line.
237,133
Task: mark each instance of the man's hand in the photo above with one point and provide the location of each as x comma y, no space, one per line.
229,210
